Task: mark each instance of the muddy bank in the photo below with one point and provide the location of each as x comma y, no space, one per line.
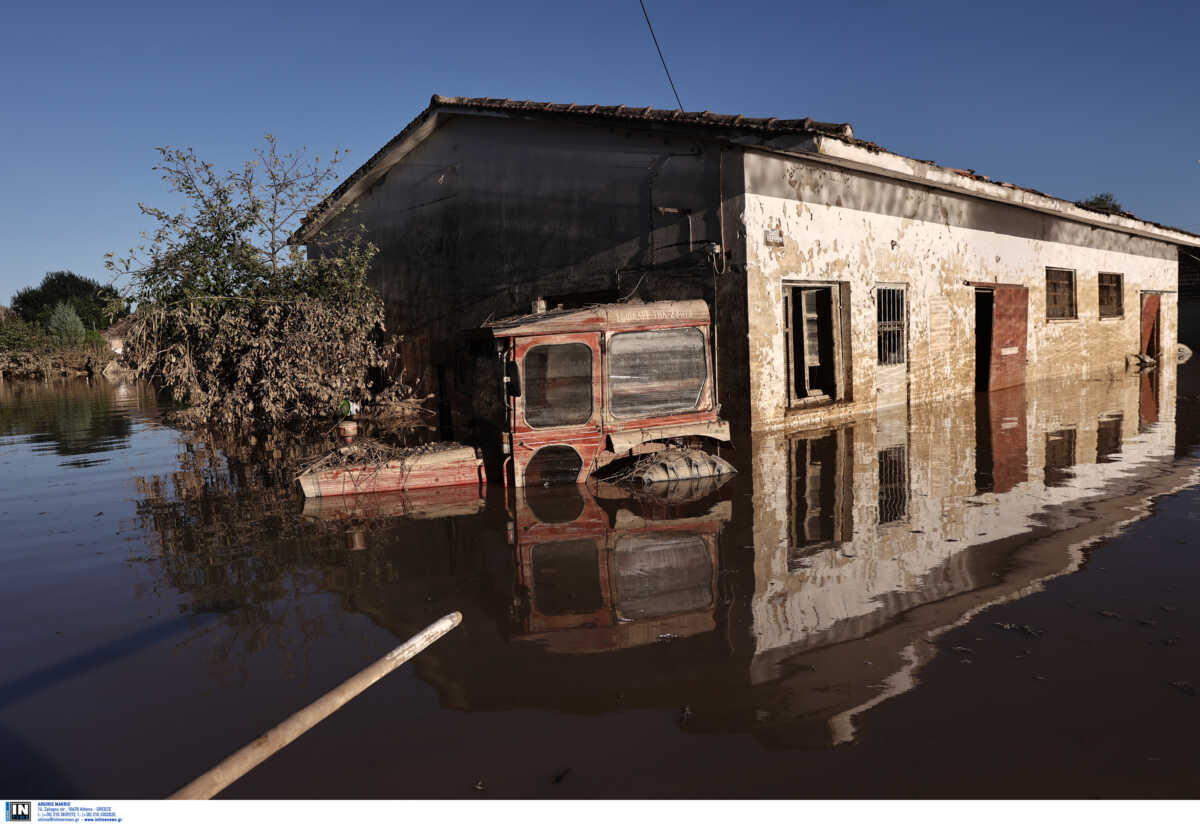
68,363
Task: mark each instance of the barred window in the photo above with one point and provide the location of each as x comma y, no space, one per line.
1060,294
1111,305
889,308
893,484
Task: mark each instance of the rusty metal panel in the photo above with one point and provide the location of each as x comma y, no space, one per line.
1150,304
1010,332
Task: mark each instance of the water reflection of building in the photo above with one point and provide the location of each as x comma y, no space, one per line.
784,604
921,512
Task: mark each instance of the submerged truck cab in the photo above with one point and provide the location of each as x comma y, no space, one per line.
585,387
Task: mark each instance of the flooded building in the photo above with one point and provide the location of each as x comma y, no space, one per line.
843,278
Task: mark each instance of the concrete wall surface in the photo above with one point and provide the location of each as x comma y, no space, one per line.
810,223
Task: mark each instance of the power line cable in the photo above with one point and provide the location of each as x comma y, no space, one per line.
660,54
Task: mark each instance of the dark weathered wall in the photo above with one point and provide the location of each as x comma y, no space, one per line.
1189,271
489,213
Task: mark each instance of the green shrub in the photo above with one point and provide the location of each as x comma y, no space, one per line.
96,305
18,336
65,326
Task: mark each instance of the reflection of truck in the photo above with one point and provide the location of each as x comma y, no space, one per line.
581,389
593,581
588,386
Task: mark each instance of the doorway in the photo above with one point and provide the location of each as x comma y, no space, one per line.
1150,307
984,303
1001,335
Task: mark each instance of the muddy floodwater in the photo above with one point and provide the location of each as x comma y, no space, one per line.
991,597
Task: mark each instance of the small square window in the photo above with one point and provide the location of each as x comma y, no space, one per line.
1060,294
1111,304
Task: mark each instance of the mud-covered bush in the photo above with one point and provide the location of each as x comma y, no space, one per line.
260,362
232,317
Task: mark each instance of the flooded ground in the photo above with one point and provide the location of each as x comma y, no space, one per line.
982,598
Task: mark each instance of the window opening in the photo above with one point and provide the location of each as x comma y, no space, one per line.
1111,303
1060,456
889,307
558,384
657,574
1060,294
821,494
1108,438
893,484
656,373
808,324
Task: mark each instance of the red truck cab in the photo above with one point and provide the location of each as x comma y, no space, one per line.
585,387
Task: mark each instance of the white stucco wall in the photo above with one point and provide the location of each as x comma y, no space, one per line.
843,226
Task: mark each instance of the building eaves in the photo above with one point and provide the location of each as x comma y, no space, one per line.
705,121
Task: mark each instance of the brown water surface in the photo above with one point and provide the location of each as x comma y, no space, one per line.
988,597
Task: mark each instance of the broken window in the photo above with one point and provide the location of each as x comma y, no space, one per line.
558,384
889,309
1111,304
1060,294
810,315
821,494
893,484
656,373
1060,456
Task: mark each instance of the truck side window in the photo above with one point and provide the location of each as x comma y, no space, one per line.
656,373
558,384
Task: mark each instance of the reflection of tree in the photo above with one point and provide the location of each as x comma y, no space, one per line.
231,538
78,418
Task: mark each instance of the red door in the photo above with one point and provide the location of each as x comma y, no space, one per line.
1150,304
1010,320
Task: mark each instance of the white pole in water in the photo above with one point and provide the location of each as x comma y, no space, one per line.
262,748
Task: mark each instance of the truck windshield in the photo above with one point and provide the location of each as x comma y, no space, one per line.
656,373
558,384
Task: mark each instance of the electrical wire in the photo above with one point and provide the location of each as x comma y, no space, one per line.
660,54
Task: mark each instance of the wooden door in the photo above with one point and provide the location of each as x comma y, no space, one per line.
1010,333
1150,304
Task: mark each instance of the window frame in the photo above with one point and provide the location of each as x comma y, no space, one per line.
900,324
1120,295
1074,294
842,362
525,384
704,399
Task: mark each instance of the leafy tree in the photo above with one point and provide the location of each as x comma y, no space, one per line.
17,335
232,316
1103,202
65,326
96,305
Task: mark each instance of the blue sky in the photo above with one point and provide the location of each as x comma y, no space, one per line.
1069,98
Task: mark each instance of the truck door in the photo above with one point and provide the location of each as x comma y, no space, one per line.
556,426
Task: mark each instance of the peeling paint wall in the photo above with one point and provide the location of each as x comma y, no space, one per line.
810,223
